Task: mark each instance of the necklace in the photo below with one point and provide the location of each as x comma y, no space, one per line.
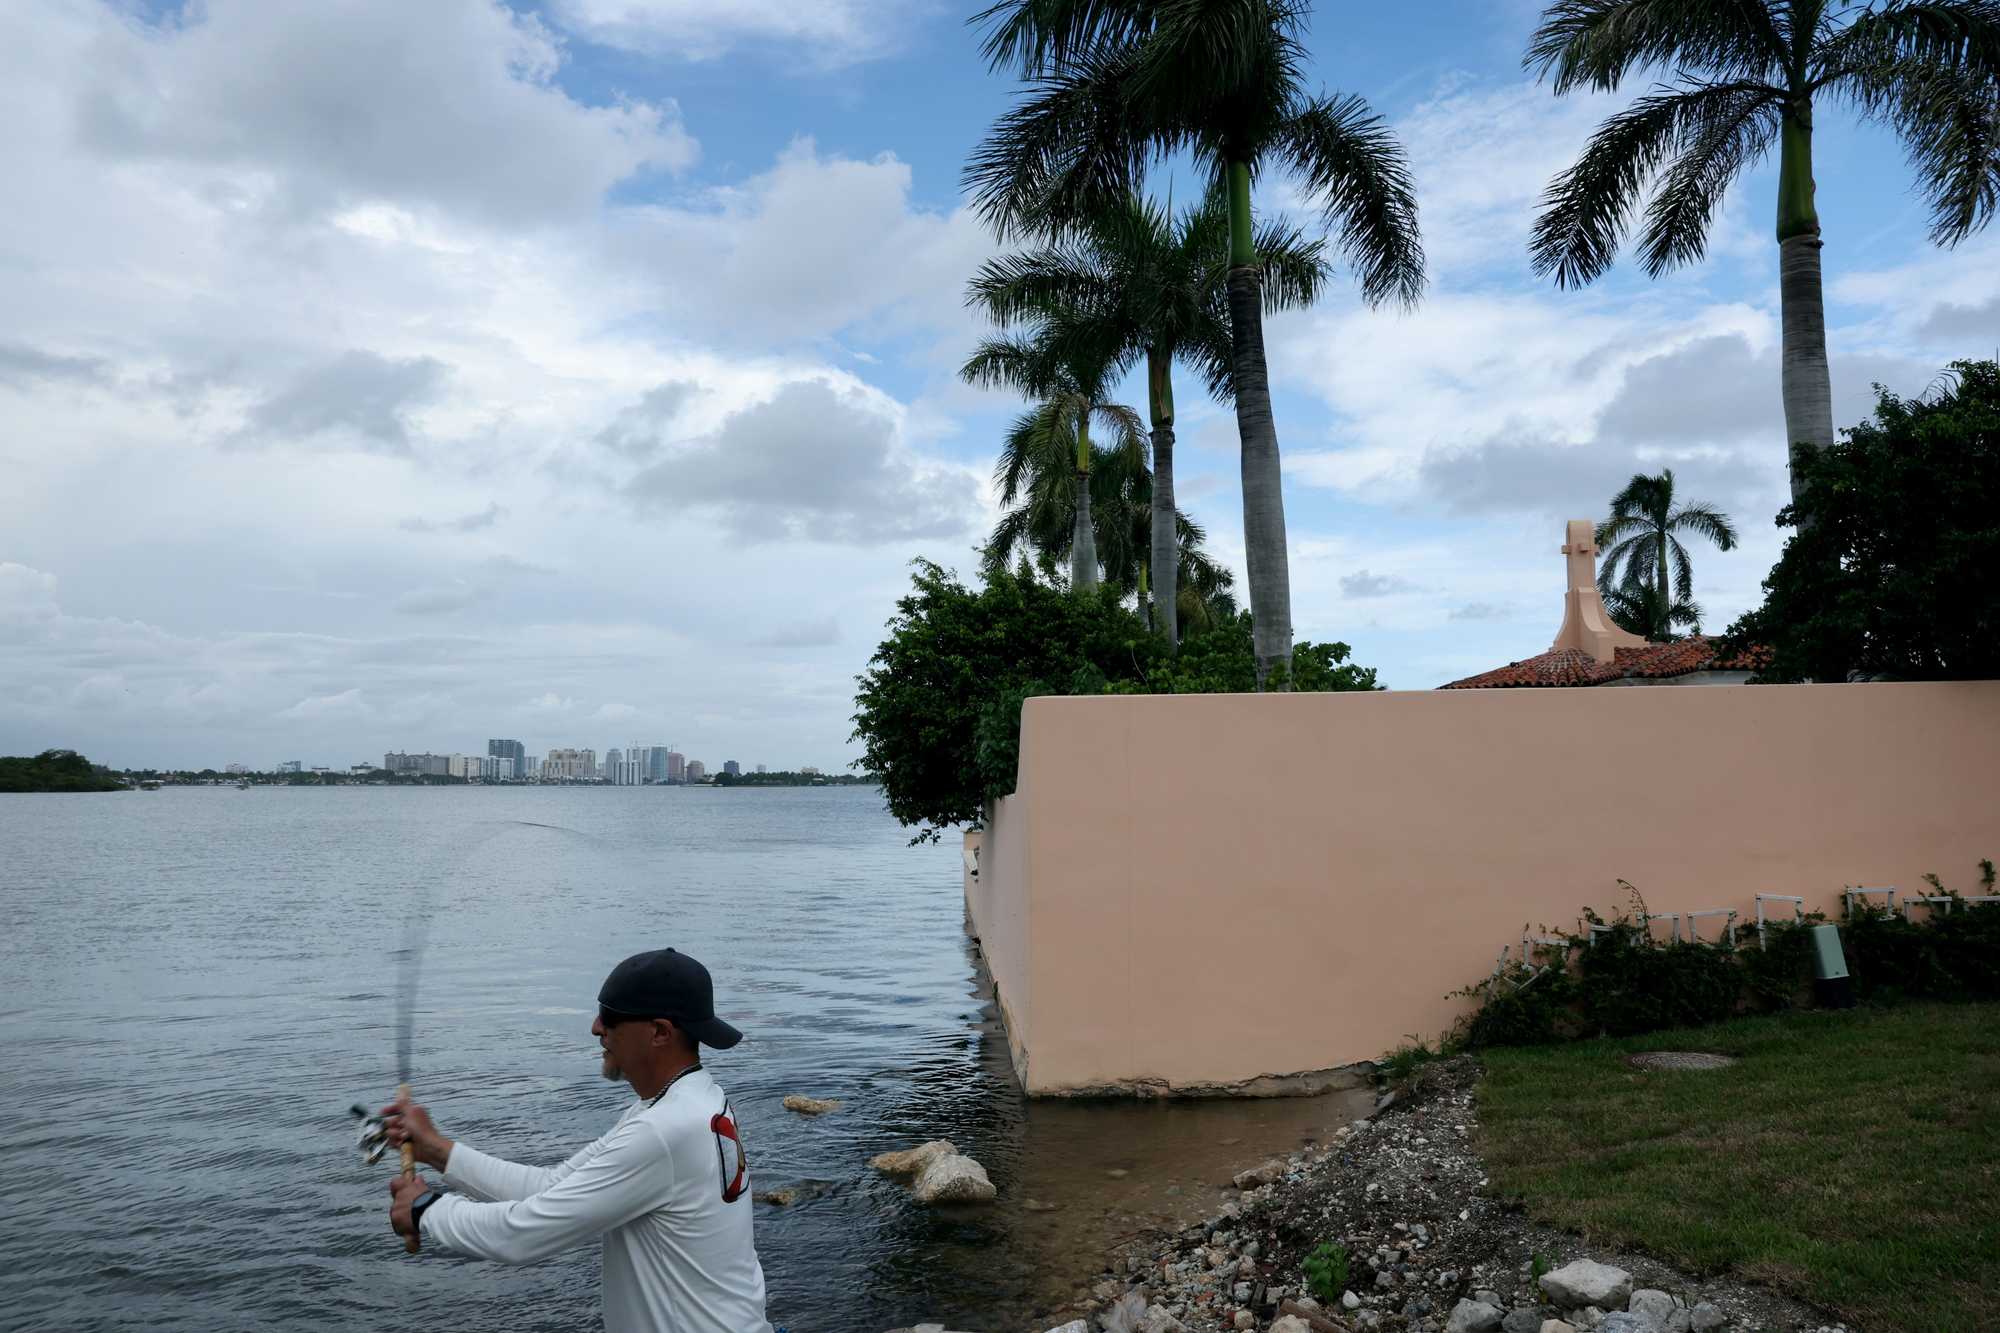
670,1083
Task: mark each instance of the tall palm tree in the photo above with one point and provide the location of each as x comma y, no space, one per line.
1070,381
1040,527
1746,74
1119,84
1641,537
1153,286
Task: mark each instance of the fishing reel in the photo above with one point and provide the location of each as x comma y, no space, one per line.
373,1138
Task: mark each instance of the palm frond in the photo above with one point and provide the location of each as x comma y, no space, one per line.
1683,568
1942,36
1071,148
1595,43
1706,521
1014,287
1354,168
1949,122
1294,264
1585,210
1733,131
1035,35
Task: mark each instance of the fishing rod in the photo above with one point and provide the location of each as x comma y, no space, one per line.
373,1139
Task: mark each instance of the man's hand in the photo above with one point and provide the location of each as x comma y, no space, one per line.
406,1122
403,1190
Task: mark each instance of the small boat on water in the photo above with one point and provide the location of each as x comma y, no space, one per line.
149,784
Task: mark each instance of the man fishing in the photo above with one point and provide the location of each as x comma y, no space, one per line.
667,1188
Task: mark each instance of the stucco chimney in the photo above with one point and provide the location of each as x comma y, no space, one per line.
1587,626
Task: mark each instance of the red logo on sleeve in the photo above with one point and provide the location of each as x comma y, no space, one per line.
737,1177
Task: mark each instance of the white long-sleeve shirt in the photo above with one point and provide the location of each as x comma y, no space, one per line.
677,1257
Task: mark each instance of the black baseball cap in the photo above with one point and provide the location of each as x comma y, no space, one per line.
664,983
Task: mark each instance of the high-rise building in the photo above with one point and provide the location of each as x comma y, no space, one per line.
514,752
433,765
732,768
531,768
236,768
695,771
676,766
762,769
614,763
291,766
570,766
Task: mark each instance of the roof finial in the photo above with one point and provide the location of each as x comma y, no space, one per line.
1586,625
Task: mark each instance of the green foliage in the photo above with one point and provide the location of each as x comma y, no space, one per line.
54,770
1614,979
939,708
1326,1272
1405,1060
1539,1267
1890,571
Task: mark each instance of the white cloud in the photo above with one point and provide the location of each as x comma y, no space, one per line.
822,32
318,107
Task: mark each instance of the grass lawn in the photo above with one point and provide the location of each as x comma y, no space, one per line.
1851,1159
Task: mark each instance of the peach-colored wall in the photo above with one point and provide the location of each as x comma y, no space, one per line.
1201,889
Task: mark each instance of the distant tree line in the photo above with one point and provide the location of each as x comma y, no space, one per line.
789,779
55,770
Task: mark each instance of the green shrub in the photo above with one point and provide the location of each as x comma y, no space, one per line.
1326,1272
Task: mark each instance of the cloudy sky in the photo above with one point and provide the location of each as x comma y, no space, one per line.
378,374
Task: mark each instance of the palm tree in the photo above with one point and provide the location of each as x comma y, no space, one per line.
1640,536
1153,286
1119,84
1070,381
1746,74
1638,608
1040,528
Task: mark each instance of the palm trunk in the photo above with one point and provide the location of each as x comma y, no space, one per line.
1083,537
1165,528
1666,623
1264,552
1808,383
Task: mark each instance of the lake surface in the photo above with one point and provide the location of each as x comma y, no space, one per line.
196,983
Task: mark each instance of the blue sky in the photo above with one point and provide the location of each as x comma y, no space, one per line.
398,376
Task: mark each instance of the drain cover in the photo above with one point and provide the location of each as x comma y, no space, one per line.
1679,1060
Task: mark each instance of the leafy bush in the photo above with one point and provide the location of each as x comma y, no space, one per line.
1614,979
939,707
54,770
1890,570
1326,1272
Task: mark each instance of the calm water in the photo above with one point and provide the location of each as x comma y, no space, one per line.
195,983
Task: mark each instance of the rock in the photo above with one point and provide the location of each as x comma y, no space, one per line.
1680,1321
1245,1320
1158,1320
1655,1307
1259,1175
809,1105
1624,1321
1706,1317
1240,1293
1073,1326
1522,1321
1587,1282
777,1198
1385,1279
1037,1206
911,1161
1117,1172
1473,1317
1555,1326
953,1179
1290,1323
1587,1319
1492,1298
1349,1301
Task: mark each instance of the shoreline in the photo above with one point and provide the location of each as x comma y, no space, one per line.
1406,1193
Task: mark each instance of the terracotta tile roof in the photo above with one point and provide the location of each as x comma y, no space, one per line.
1571,666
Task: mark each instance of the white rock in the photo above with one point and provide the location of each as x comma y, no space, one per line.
1291,1323
1706,1317
809,1105
953,1179
1556,1326
1655,1307
1472,1317
1349,1301
911,1161
1073,1326
1588,1318
1587,1282
1624,1321
1260,1175
1244,1320
1158,1320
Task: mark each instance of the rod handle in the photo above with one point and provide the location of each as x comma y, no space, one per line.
409,1154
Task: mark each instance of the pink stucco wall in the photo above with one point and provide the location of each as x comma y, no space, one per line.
1194,891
